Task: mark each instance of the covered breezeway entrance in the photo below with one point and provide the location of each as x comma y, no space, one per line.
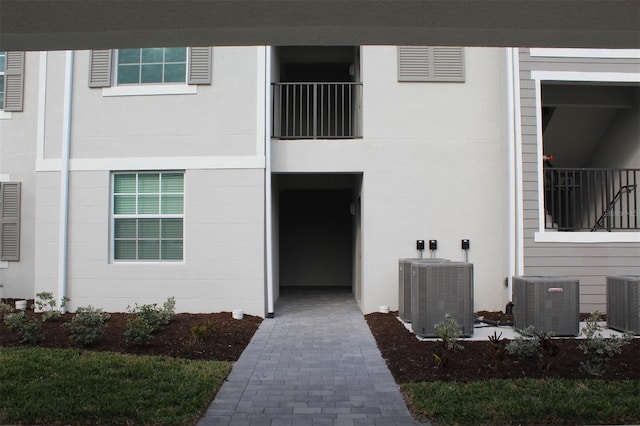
317,232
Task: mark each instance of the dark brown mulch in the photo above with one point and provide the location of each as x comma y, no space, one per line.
226,342
411,360
408,359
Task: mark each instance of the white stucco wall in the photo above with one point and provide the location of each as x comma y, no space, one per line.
223,255
17,158
211,135
433,159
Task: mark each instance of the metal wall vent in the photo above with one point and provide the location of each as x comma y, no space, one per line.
623,303
438,289
550,304
404,284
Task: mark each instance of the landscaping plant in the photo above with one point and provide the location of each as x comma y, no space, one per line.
449,332
87,326
46,304
5,309
147,319
497,350
200,332
535,344
599,348
28,328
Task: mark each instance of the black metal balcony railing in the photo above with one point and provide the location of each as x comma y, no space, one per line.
578,199
316,110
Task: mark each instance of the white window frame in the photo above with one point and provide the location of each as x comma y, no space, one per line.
2,72
585,53
114,216
542,235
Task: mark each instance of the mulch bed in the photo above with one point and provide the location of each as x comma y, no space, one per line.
226,342
411,360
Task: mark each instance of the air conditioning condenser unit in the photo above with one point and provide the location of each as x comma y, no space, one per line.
549,304
438,289
623,303
404,284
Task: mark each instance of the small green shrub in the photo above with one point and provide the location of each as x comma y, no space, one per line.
138,332
155,316
448,331
497,350
5,309
145,320
87,326
601,349
532,344
525,345
28,328
200,332
48,306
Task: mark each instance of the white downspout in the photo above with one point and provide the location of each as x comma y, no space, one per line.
268,205
64,179
511,170
514,149
518,166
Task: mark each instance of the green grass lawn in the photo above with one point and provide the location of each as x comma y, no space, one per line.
49,386
526,401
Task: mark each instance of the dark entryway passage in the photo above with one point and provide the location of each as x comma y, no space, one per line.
316,237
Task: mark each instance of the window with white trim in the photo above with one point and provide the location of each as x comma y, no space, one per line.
148,216
152,65
3,61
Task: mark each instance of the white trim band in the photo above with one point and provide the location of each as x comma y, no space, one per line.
585,53
585,76
158,163
587,237
150,90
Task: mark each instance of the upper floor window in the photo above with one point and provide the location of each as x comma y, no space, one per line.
3,61
152,65
146,70
11,82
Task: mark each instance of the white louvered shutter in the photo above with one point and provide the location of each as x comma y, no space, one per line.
100,68
420,63
199,65
14,81
10,221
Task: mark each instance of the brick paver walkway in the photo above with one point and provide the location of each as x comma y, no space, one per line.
315,363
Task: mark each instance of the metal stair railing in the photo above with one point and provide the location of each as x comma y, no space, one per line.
607,211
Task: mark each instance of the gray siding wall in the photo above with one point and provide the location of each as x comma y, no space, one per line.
591,263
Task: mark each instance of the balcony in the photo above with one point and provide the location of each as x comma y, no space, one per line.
316,110
581,199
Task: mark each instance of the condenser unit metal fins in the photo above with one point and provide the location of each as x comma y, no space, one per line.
438,289
404,287
549,304
623,303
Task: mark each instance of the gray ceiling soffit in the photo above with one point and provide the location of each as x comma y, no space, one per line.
82,24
